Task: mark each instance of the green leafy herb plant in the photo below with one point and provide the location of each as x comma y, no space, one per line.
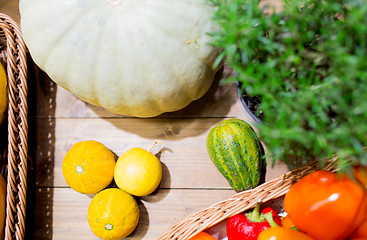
308,63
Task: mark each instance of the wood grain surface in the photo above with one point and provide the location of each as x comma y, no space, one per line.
190,181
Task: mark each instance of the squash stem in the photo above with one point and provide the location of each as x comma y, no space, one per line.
108,226
79,169
154,144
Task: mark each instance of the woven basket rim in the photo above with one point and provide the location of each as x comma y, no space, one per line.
14,56
240,202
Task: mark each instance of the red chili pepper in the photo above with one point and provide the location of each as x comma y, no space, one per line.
249,225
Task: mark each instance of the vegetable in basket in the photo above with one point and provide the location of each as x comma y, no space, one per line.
361,232
360,173
3,94
326,206
249,225
282,233
287,222
203,236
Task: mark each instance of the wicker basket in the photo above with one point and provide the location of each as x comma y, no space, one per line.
14,165
240,202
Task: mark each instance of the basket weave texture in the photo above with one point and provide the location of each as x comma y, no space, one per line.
240,202
13,56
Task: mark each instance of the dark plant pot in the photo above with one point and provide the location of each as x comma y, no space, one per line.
249,103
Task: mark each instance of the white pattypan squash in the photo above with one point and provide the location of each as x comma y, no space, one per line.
133,57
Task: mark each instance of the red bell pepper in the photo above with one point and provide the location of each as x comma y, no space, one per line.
249,225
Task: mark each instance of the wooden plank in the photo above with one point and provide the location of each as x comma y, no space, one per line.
184,157
60,213
10,8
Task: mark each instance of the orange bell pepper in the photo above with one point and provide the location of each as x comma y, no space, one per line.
360,173
282,233
287,222
326,206
203,236
360,232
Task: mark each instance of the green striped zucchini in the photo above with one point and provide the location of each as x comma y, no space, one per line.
236,151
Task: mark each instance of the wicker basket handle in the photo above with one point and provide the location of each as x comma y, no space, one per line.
13,51
240,202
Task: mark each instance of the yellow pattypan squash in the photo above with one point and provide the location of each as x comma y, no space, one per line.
88,167
113,214
138,172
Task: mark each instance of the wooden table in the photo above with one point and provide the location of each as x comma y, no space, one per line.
57,120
